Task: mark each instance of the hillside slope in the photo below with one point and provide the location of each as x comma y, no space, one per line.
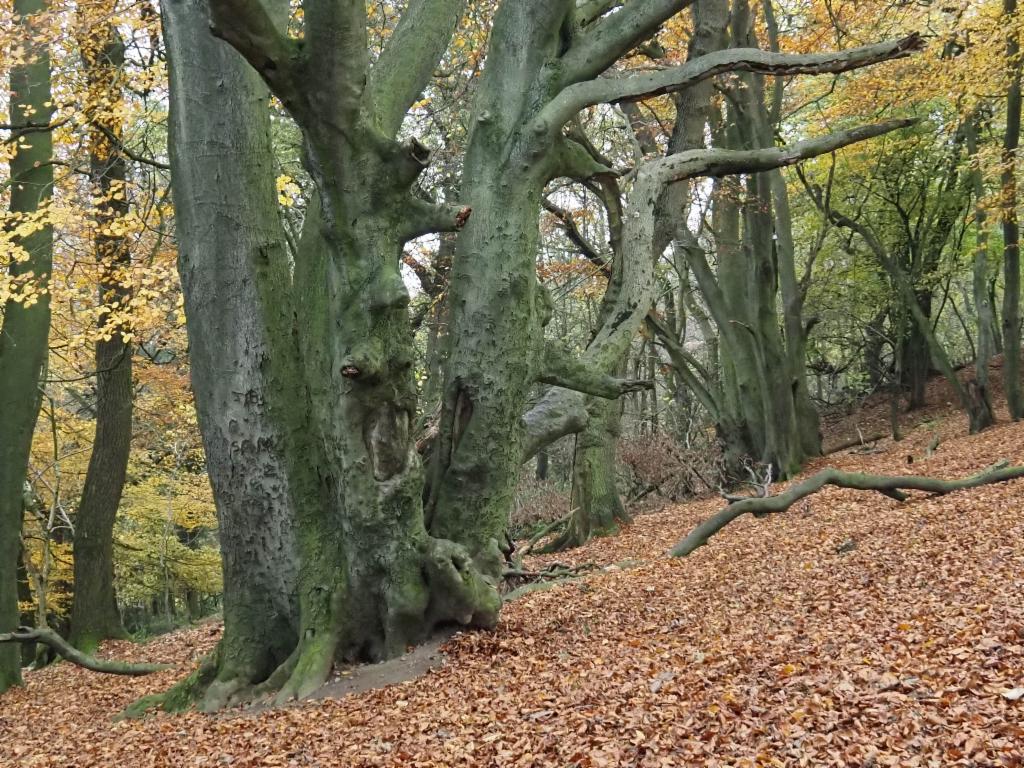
769,646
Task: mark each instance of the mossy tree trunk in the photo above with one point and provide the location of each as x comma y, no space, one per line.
26,323
761,403
228,230
328,381
94,612
597,506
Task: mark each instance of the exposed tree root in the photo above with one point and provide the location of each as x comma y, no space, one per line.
519,581
891,486
66,650
180,696
311,668
545,530
451,587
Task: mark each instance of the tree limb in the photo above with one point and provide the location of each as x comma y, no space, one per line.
891,486
562,369
724,162
126,151
559,413
572,232
589,11
612,89
75,656
247,27
612,35
425,217
571,159
407,62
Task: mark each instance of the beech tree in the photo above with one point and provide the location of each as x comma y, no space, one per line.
303,370
94,615
26,313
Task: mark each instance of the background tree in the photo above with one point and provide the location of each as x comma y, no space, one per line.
95,614
26,308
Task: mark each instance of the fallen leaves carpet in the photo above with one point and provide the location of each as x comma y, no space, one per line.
850,631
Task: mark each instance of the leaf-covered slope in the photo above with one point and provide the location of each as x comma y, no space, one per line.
851,629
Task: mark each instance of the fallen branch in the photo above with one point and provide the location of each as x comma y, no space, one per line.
891,486
75,656
858,442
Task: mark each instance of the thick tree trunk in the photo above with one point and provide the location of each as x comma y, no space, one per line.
1011,227
228,230
330,376
597,507
498,309
26,325
94,612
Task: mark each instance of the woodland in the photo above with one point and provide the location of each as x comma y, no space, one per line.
511,382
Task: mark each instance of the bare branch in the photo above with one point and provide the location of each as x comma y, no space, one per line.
614,89
562,369
126,151
572,232
724,162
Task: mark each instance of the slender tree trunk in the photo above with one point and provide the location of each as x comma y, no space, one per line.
94,612
543,459
917,359
26,324
1011,228
796,329
981,414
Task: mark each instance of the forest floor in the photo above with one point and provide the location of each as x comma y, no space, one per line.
851,631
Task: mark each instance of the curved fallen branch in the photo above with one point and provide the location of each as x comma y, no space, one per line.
75,656
520,581
891,486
